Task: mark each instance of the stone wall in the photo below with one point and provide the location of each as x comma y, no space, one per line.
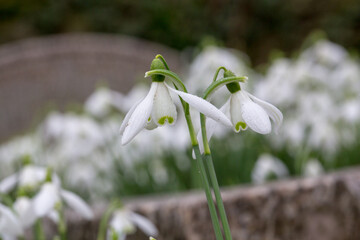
324,208
63,69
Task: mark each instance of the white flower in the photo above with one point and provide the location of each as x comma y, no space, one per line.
313,168
10,226
158,108
124,222
29,176
102,101
246,110
24,209
267,167
50,194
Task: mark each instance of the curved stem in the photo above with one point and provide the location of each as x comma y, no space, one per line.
177,82
163,60
217,73
222,82
174,77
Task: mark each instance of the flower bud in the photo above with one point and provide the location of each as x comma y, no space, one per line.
157,64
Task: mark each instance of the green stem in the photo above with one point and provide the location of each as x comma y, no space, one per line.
61,224
210,166
207,154
206,186
213,179
38,230
179,84
163,60
174,77
217,73
222,82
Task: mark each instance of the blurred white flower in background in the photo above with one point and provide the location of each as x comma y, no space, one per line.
100,103
125,222
23,207
320,95
12,151
29,177
10,226
268,167
50,194
313,168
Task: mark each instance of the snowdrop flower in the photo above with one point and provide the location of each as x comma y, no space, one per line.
268,167
245,110
313,168
30,176
50,194
10,226
124,222
158,108
102,101
24,209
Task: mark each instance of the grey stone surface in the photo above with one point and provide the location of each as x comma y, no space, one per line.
324,208
63,69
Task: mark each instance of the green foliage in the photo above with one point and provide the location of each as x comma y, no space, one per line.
255,27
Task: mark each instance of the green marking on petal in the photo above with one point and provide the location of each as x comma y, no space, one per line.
162,120
149,119
239,125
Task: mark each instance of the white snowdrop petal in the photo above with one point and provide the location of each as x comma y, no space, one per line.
8,183
121,222
23,208
273,112
10,223
151,125
236,103
127,117
210,128
46,199
164,109
204,107
54,216
144,224
32,175
77,204
139,117
256,117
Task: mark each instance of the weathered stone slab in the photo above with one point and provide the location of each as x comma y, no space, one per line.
63,69
324,208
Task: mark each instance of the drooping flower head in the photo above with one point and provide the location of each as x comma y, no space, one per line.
158,108
245,111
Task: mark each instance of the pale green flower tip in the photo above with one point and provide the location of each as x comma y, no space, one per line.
162,120
151,238
239,125
146,74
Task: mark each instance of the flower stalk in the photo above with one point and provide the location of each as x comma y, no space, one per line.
207,154
204,178
39,231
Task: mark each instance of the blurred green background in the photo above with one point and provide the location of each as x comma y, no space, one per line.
254,27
